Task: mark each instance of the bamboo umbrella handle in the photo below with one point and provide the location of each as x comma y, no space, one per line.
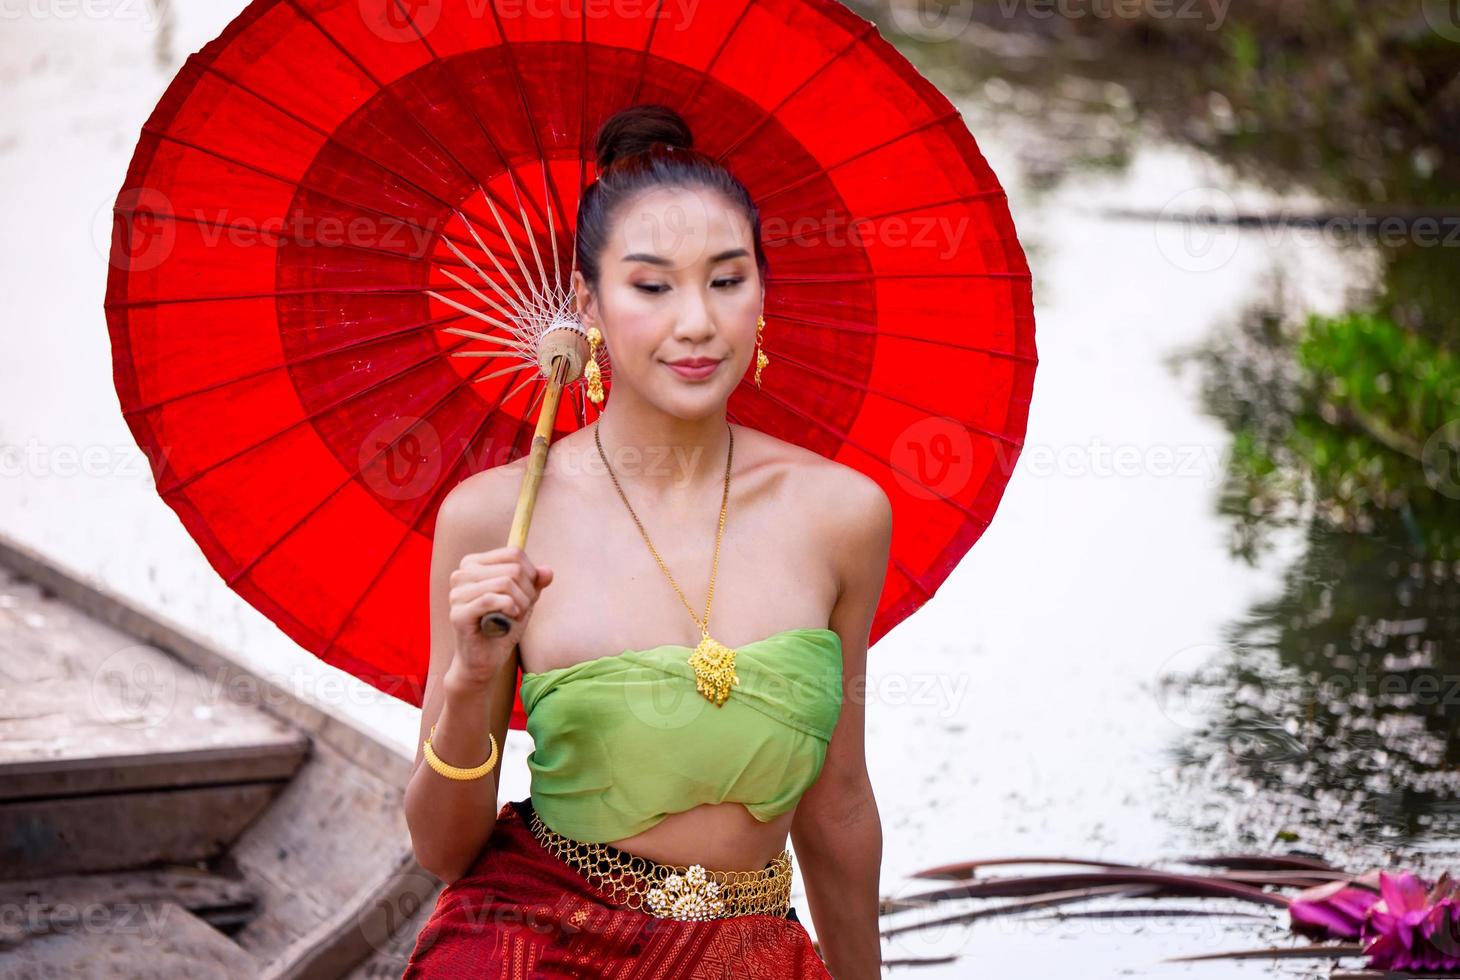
565,348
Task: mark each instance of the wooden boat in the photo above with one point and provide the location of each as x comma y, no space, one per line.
167,812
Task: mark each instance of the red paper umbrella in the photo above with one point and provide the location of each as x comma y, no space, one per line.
335,196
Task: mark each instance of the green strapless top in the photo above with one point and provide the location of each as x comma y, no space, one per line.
622,741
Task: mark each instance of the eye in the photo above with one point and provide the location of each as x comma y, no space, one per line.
651,288
732,281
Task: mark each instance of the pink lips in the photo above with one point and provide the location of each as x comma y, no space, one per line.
693,369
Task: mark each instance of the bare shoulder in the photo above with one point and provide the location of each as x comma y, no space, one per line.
822,480
476,514
847,509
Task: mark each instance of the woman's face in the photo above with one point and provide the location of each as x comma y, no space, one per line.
677,279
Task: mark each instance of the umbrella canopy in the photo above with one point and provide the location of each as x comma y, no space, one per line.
334,196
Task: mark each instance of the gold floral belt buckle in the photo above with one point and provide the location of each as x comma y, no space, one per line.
668,891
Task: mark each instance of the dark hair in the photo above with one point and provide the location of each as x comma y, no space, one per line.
641,148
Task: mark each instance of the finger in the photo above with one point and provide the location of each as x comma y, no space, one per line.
531,581
482,571
492,602
508,586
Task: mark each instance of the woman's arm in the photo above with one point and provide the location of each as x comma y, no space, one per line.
450,820
836,831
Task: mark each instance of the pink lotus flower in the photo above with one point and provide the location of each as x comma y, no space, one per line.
1335,910
1414,926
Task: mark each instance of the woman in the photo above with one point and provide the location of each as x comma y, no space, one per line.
670,731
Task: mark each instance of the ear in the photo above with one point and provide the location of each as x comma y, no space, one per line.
583,301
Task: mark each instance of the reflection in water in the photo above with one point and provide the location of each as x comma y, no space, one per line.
1332,715
1336,709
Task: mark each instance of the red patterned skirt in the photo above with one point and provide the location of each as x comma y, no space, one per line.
521,913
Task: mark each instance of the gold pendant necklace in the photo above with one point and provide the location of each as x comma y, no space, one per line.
712,661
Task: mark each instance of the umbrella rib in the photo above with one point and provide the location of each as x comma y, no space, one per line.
359,154
769,114
516,255
496,263
843,379
486,278
878,334
489,338
849,441
541,308
306,359
391,94
497,374
478,314
552,233
532,239
481,296
532,406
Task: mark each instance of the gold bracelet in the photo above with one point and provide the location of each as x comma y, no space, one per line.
452,772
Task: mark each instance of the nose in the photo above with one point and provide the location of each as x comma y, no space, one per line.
694,322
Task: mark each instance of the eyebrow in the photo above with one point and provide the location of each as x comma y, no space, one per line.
730,253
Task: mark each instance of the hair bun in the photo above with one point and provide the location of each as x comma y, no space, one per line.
636,129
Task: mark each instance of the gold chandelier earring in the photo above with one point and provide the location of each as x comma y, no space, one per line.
591,371
760,359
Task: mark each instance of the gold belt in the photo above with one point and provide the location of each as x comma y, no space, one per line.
670,891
